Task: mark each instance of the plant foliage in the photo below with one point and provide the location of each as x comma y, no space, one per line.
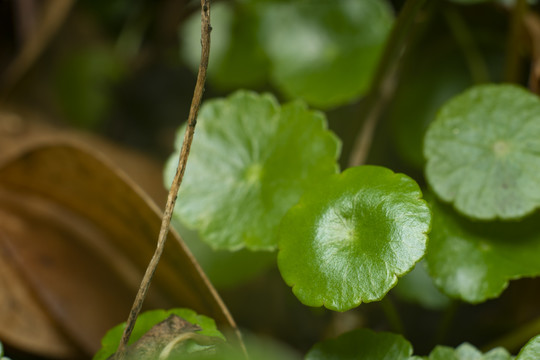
350,237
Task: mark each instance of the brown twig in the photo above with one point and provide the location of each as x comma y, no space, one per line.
532,24
515,42
171,200
384,81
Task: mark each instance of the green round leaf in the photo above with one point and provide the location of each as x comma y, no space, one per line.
362,344
483,152
467,351
250,162
474,261
531,351
324,52
145,321
351,236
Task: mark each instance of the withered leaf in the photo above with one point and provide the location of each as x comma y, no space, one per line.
159,342
75,238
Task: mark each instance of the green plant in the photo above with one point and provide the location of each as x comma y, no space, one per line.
264,177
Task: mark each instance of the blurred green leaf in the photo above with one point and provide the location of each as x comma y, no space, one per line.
84,81
225,268
250,162
324,52
474,261
362,344
490,136
351,236
418,287
466,351
237,59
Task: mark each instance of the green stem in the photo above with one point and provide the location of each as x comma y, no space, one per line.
384,81
513,47
461,32
517,338
446,322
392,314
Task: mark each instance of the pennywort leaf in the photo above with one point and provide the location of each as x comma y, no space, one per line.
250,162
474,261
351,236
483,152
362,344
467,351
324,52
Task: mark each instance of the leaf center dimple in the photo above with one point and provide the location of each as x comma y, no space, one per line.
501,148
254,173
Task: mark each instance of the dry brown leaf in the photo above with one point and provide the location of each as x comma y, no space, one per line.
78,234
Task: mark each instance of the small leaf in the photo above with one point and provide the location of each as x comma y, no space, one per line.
362,344
324,52
474,261
146,321
250,162
483,152
351,236
531,350
466,351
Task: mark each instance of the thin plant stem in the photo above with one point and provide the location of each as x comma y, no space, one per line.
515,42
392,314
446,322
383,85
532,24
517,338
173,192
464,38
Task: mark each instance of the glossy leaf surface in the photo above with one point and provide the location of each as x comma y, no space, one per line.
324,52
362,344
474,261
250,162
531,350
483,152
351,236
146,321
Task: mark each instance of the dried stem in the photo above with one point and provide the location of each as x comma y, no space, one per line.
171,200
515,42
384,81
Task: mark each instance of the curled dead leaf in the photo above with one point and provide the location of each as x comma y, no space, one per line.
75,238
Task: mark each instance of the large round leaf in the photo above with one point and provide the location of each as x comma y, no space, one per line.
483,152
474,261
250,162
324,52
362,344
351,236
